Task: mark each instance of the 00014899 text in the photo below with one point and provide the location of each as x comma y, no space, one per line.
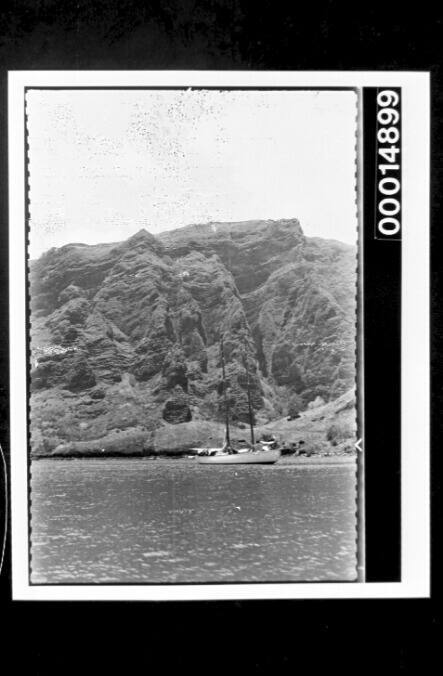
388,164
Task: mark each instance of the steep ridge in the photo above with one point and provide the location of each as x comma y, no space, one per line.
127,335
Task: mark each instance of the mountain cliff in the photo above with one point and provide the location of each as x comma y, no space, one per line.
126,336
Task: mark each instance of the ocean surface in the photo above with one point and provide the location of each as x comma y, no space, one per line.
170,521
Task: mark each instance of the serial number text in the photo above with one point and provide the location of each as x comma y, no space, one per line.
388,202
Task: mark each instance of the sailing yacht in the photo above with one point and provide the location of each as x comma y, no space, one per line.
256,454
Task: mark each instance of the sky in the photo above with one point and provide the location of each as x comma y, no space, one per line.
104,164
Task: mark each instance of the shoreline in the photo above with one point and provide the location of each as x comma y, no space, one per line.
348,459
284,460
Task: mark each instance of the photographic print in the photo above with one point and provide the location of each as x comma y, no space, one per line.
193,282
195,330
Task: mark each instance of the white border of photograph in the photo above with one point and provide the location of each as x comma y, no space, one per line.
415,570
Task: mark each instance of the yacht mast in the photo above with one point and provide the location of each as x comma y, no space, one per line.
225,398
248,387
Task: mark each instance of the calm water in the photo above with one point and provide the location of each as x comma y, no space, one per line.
138,520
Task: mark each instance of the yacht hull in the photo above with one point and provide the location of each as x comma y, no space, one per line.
249,458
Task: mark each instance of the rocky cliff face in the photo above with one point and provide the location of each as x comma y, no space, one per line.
128,335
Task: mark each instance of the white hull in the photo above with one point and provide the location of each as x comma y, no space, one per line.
247,458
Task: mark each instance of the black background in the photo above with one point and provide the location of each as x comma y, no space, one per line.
395,636
382,373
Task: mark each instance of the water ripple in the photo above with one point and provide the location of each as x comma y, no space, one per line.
130,520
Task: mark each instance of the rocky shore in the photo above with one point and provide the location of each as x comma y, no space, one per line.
327,431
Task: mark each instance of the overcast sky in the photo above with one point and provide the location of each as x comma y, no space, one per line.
104,164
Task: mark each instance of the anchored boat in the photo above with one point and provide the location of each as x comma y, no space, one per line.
249,457
255,454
